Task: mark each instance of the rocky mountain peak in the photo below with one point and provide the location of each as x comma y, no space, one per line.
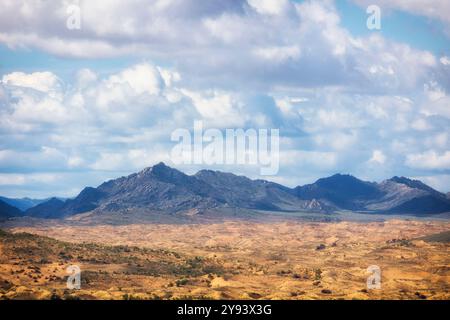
166,189
414,184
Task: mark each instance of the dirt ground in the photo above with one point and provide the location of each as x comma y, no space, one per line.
233,259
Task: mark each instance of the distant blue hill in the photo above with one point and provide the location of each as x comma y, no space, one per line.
8,211
23,204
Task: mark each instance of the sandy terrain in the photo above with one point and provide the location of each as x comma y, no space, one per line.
277,260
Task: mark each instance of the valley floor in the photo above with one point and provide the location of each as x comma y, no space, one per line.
228,260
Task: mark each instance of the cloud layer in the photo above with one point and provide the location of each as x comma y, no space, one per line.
364,105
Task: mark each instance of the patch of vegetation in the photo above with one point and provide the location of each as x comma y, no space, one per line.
181,282
193,297
38,250
317,274
443,237
321,247
400,242
127,296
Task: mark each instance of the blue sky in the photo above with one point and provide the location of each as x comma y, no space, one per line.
81,106
418,31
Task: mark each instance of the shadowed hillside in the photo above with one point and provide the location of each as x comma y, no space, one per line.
164,189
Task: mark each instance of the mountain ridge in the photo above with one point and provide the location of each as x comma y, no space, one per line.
8,211
22,203
166,189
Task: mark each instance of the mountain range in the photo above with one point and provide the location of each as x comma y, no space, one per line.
22,203
162,188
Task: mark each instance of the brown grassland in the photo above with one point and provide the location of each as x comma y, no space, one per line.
227,260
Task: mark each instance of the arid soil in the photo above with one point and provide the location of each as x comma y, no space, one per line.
228,260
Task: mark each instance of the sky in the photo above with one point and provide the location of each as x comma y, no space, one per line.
79,106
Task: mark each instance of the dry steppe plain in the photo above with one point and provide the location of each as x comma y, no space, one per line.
233,259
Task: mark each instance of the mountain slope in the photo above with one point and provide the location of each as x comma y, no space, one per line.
161,188
242,192
345,191
403,195
7,211
157,188
23,203
427,204
49,209
415,184
166,189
